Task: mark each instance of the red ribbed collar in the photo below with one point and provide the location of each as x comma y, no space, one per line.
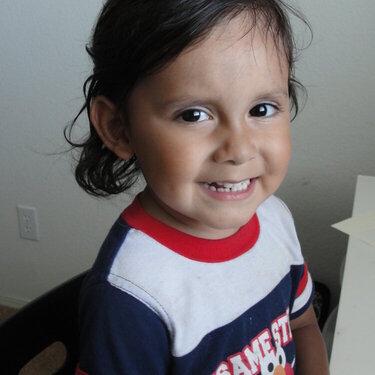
195,248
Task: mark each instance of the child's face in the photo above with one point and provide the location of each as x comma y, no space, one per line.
215,117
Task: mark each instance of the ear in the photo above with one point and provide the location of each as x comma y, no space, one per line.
110,127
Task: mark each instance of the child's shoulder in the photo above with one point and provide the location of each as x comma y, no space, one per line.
276,223
275,207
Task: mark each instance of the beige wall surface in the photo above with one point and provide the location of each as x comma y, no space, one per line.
42,67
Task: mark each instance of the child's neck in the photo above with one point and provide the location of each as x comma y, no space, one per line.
160,211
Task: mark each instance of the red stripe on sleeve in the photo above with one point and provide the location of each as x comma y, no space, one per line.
80,372
303,282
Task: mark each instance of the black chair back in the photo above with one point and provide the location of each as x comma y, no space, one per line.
53,317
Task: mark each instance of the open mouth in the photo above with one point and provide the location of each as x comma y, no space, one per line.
227,187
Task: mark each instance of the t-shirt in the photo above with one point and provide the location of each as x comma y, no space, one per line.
159,301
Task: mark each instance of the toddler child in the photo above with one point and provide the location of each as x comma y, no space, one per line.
203,272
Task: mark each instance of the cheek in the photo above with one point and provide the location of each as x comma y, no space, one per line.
284,153
279,152
166,159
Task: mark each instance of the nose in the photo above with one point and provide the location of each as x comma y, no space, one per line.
235,146
279,370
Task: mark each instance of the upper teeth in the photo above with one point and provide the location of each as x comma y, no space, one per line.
228,186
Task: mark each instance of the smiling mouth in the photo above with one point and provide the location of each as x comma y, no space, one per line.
227,187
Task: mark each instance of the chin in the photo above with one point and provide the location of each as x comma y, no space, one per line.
228,225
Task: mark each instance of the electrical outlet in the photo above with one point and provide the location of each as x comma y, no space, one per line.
28,222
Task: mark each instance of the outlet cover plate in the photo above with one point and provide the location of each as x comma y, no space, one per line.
28,222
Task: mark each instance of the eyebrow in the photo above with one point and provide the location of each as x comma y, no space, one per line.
181,101
277,94
273,94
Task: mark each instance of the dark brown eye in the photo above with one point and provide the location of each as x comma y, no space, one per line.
263,110
194,115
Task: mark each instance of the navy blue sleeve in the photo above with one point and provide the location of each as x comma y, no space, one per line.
302,291
120,335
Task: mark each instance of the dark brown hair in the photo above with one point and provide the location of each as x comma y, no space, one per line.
135,38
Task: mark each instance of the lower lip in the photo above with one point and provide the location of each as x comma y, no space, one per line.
232,195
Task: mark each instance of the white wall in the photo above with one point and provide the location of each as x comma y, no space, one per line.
42,67
334,137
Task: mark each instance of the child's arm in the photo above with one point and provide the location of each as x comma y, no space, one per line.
311,354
